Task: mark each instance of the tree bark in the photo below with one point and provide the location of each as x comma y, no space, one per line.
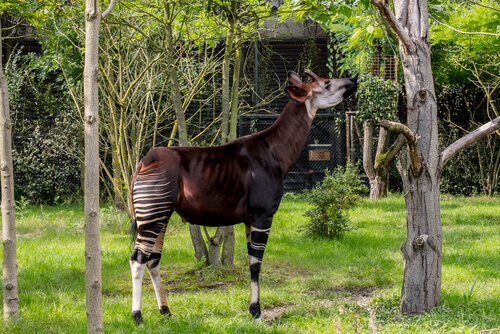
169,55
226,66
421,165
199,245
224,236
9,264
200,248
93,279
422,250
378,172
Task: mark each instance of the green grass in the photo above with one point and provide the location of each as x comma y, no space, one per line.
308,285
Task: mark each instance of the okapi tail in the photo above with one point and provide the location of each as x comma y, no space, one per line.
133,223
133,233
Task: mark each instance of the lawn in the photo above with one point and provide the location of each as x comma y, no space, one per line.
308,285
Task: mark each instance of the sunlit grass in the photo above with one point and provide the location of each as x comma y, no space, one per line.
308,285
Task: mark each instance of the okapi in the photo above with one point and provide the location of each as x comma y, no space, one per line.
239,182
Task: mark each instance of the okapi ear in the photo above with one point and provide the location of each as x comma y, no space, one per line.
294,78
298,93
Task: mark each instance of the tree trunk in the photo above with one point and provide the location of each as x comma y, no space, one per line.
379,186
224,236
226,66
422,250
199,245
378,173
200,248
176,92
227,256
214,247
421,165
9,265
235,90
93,280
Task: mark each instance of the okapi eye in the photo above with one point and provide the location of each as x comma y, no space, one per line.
328,86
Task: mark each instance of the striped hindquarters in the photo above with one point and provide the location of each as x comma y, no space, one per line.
153,201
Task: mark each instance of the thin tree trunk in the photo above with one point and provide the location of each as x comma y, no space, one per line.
228,243
235,89
93,280
226,66
367,154
176,92
224,236
200,247
214,246
10,294
227,256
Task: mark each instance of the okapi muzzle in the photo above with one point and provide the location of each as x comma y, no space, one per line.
239,182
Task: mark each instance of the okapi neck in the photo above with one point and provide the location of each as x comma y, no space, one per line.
288,135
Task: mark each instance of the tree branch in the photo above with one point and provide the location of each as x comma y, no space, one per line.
110,8
385,10
485,6
460,31
468,139
411,139
393,150
367,150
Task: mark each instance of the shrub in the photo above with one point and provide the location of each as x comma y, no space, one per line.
459,176
46,132
331,199
377,99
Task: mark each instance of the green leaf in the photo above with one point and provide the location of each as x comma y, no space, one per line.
364,3
378,32
345,10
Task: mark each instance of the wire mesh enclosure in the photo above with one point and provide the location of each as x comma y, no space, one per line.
325,148
382,66
47,169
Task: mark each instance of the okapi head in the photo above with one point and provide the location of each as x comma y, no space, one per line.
320,93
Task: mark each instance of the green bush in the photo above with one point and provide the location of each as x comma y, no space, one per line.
377,99
460,175
331,199
46,133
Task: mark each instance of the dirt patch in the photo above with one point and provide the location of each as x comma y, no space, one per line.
353,293
182,280
271,314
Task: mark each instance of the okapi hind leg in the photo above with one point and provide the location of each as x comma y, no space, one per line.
153,197
137,269
153,266
139,260
256,244
147,253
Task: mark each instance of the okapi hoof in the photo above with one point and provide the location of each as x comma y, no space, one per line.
165,311
137,316
255,311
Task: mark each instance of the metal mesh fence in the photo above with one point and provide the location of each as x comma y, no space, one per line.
325,148
47,169
331,142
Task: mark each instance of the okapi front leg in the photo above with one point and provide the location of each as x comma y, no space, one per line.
256,244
